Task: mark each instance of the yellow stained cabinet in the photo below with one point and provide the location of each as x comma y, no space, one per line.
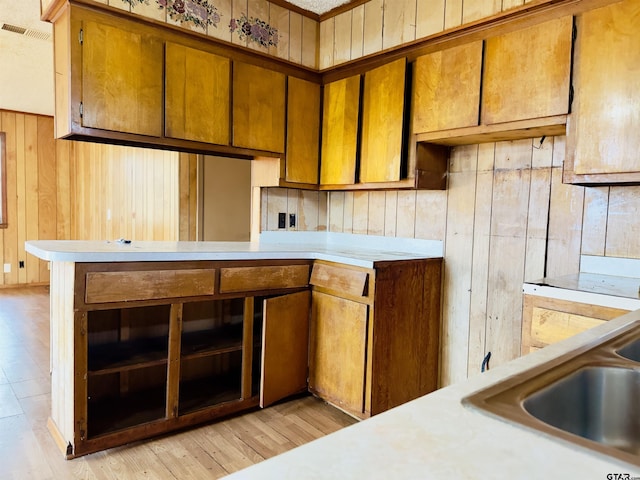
602,138
549,320
527,73
446,89
258,108
197,95
303,132
341,107
121,79
383,123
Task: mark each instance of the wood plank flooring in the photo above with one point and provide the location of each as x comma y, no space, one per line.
27,450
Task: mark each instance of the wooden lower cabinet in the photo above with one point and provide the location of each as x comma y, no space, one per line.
549,320
374,336
145,348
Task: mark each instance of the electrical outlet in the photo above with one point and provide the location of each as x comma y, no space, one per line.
7,268
292,219
282,220
21,264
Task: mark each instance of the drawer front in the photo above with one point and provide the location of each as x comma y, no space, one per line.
340,280
105,287
247,279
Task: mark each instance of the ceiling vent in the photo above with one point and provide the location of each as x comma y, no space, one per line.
27,32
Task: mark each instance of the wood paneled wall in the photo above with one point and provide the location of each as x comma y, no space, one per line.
506,217
31,193
381,24
58,189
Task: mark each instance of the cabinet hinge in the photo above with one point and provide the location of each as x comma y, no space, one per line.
81,109
81,36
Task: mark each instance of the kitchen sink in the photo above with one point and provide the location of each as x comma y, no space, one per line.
589,397
598,403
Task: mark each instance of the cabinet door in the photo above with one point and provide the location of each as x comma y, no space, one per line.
604,129
340,108
527,73
337,352
383,123
446,89
285,341
303,131
258,108
121,80
197,95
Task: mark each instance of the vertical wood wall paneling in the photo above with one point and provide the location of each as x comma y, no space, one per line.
390,213
357,32
10,234
477,9
373,21
347,224
327,43
538,214
295,37
511,184
360,212
452,13
480,257
399,23
64,188
29,229
623,224
342,37
336,211
454,338
408,211
376,217
239,8
222,30
430,17
594,221
279,19
258,9
47,204
310,42
430,214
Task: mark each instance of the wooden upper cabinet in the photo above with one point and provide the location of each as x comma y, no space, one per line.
340,131
527,73
121,79
446,89
303,132
258,108
602,138
383,123
197,95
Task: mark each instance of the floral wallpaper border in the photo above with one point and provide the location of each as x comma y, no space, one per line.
203,13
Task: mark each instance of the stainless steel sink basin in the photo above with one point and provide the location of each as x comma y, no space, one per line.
598,403
631,351
589,397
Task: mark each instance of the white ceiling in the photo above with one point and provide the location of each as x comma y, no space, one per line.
26,60
318,6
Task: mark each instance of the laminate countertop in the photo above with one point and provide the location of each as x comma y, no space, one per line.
436,436
359,250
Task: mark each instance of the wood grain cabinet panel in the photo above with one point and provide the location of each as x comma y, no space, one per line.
197,96
549,320
258,108
337,354
340,119
602,137
121,80
446,89
527,73
246,279
383,123
303,132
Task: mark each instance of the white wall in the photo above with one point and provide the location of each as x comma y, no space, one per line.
26,63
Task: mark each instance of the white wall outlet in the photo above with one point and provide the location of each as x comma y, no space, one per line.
108,214
7,268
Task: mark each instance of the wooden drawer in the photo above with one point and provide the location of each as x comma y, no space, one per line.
343,281
550,326
247,279
105,287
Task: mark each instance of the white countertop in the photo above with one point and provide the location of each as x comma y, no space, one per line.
359,250
435,436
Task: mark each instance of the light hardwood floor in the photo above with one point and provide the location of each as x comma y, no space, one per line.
27,451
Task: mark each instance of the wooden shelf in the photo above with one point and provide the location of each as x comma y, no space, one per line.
209,391
112,413
212,342
499,132
129,355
